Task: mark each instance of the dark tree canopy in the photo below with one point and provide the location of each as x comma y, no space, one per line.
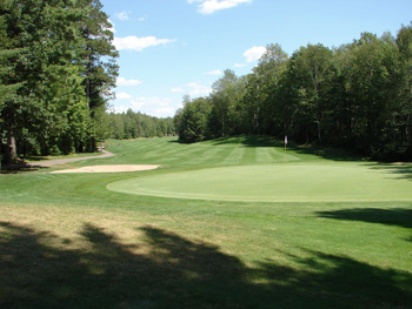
57,65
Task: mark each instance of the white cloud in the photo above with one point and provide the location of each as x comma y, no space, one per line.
143,18
119,109
121,81
123,15
123,96
163,112
193,89
112,29
212,6
177,90
254,53
214,72
139,43
196,89
153,106
239,65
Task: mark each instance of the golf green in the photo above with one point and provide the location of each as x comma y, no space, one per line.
288,182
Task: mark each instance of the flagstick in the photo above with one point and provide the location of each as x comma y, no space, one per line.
286,144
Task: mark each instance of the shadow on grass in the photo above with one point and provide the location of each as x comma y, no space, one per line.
20,168
394,216
403,170
249,141
330,153
334,154
41,270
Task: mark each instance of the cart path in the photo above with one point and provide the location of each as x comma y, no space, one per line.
50,163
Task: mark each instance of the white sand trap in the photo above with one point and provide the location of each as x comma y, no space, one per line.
108,168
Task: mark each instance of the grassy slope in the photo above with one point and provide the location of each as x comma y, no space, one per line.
66,241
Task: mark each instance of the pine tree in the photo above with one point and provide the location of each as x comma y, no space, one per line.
98,58
56,65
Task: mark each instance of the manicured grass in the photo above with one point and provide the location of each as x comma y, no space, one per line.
68,242
305,182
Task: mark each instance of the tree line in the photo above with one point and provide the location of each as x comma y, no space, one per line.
131,125
357,96
57,73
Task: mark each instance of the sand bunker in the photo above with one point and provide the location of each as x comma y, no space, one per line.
108,169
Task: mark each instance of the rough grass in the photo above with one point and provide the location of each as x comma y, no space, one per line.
68,242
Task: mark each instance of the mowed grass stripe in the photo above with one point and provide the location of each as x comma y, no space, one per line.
214,155
249,155
137,151
235,154
167,152
281,155
172,156
264,154
192,155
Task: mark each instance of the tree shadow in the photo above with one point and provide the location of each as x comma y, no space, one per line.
331,281
164,270
248,141
393,216
329,153
175,141
17,168
403,170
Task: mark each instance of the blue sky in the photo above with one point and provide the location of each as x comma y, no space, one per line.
172,48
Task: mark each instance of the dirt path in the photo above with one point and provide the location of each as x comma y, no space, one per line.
50,163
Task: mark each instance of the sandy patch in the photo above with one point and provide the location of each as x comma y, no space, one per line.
108,169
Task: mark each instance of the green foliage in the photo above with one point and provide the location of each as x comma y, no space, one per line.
193,120
227,93
56,65
356,96
131,125
98,53
402,119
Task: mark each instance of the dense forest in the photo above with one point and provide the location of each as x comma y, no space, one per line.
357,96
57,74
134,124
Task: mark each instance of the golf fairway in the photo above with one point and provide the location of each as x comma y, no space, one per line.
288,182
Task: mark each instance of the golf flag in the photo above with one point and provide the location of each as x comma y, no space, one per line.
286,142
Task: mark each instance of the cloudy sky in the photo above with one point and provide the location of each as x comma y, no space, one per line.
172,48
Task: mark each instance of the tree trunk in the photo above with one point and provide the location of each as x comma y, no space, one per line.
10,149
1,152
319,132
408,130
